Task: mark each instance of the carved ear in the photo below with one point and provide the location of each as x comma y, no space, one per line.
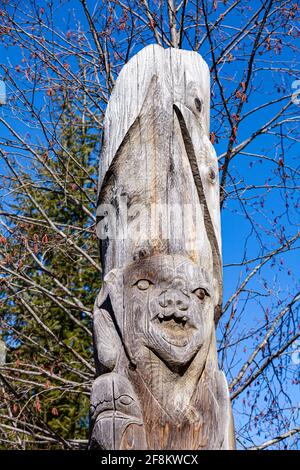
113,293
107,342
112,277
216,300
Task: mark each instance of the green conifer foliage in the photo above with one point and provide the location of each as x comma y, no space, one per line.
49,304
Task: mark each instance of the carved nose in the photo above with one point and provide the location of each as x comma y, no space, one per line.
174,299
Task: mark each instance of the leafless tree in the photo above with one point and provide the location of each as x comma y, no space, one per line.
52,51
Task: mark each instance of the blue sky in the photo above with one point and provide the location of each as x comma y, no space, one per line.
268,208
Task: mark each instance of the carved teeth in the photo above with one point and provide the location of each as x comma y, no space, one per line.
177,319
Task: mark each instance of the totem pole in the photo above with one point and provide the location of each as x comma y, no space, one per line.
158,385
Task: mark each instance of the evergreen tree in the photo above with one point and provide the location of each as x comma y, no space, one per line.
51,326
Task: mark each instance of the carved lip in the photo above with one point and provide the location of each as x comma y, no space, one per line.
175,341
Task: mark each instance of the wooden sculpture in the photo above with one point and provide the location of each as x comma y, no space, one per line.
158,384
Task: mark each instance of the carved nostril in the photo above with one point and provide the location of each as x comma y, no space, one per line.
163,302
182,305
174,299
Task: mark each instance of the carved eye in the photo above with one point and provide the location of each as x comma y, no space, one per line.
143,284
212,175
200,293
198,104
125,400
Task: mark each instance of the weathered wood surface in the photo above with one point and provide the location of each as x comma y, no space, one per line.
159,386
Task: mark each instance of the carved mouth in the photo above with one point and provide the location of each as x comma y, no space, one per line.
172,321
175,328
112,414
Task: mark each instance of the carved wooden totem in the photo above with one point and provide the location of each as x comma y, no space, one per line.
158,384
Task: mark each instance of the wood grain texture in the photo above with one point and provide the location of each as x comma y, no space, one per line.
160,248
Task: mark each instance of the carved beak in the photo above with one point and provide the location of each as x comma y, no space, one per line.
111,414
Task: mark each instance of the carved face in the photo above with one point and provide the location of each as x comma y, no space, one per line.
114,407
168,308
